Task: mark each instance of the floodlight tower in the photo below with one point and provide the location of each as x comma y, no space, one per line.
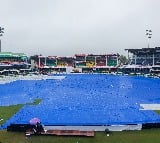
149,35
1,34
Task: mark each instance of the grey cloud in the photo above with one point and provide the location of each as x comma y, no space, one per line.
66,27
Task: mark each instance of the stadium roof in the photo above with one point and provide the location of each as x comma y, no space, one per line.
10,54
144,50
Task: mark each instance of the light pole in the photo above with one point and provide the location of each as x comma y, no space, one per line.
149,35
1,34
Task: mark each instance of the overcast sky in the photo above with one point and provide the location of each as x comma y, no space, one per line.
67,27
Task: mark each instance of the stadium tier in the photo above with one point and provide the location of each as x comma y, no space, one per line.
10,60
145,56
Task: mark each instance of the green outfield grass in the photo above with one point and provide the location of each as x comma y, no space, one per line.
157,111
144,136
8,111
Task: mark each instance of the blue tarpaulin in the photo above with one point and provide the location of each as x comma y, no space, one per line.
83,99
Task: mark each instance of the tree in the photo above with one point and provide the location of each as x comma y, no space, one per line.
123,60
